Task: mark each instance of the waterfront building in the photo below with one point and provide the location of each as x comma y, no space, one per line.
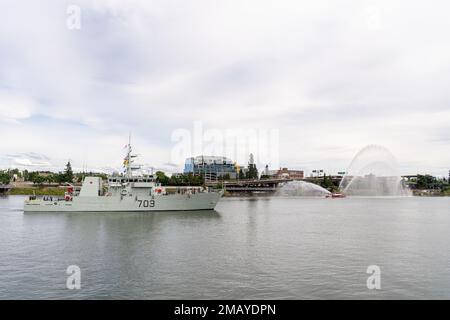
211,167
284,173
317,173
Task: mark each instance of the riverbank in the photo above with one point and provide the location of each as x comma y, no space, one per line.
39,191
431,193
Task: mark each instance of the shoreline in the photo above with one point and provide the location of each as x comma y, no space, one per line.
39,191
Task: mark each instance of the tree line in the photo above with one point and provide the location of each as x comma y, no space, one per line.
179,180
430,182
66,176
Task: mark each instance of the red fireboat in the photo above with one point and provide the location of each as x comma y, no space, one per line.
335,195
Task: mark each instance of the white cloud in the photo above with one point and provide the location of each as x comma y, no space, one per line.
332,76
15,107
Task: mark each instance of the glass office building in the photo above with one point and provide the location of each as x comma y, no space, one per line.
210,167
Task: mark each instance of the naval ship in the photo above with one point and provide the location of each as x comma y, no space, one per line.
126,192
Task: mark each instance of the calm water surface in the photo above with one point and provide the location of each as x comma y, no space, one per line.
263,248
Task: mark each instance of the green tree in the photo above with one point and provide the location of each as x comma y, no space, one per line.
37,179
252,172
180,180
68,173
241,174
32,176
5,177
198,180
60,177
15,172
26,175
426,182
327,183
162,178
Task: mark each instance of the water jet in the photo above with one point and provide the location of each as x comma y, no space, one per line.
374,171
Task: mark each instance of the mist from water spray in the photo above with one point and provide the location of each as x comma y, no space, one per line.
302,189
374,171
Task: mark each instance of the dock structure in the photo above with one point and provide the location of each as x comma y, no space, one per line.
4,188
251,185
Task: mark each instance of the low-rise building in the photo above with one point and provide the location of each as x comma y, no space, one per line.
284,173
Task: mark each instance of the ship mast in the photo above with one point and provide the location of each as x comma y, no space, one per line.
128,158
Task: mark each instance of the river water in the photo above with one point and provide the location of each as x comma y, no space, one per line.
248,248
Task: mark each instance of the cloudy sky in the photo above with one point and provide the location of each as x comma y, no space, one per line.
330,76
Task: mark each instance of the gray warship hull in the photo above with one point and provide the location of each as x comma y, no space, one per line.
181,202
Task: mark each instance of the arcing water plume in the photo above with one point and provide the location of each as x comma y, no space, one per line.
374,171
302,188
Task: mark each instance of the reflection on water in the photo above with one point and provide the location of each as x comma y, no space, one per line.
264,248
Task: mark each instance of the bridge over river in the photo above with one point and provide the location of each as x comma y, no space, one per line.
263,185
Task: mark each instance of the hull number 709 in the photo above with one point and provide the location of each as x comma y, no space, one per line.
146,203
